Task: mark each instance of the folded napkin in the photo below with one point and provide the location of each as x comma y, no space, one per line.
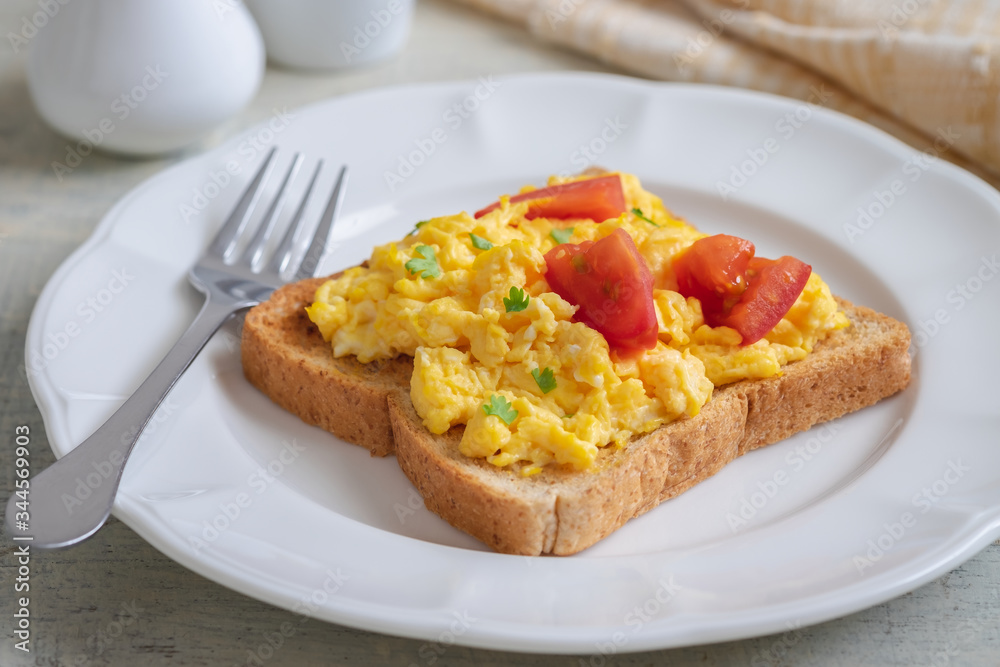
926,71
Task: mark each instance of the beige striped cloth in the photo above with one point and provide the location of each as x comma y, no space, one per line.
926,71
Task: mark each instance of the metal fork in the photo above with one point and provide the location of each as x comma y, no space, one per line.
66,502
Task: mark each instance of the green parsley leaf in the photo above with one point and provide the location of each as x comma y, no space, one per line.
500,407
561,235
418,226
517,301
638,213
545,379
426,267
480,242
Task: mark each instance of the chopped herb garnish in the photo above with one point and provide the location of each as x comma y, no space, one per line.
480,242
517,301
418,226
639,214
426,267
500,407
561,235
545,379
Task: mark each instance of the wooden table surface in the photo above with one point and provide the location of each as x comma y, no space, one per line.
114,600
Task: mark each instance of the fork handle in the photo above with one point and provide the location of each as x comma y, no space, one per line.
72,498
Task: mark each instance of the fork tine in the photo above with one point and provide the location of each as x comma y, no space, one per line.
251,255
310,261
283,253
225,240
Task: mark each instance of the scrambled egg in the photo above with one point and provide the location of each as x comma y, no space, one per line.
449,315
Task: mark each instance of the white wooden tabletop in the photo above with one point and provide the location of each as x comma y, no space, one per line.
115,600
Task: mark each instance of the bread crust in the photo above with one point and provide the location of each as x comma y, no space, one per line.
285,357
561,511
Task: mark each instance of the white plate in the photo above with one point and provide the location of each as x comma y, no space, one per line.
824,524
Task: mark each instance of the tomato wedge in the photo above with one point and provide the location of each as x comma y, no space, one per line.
773,286
749,294
595,198
611,283
713,270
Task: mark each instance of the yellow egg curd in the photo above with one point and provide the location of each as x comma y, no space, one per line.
532,386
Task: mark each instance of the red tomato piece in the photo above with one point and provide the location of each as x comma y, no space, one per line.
611,283
737,290
595,198
713,270
773,286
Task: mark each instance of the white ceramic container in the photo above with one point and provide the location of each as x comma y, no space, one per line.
332,34
144,78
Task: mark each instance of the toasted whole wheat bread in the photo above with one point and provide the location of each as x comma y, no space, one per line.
561,511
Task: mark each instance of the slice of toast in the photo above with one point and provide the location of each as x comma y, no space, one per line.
561,511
